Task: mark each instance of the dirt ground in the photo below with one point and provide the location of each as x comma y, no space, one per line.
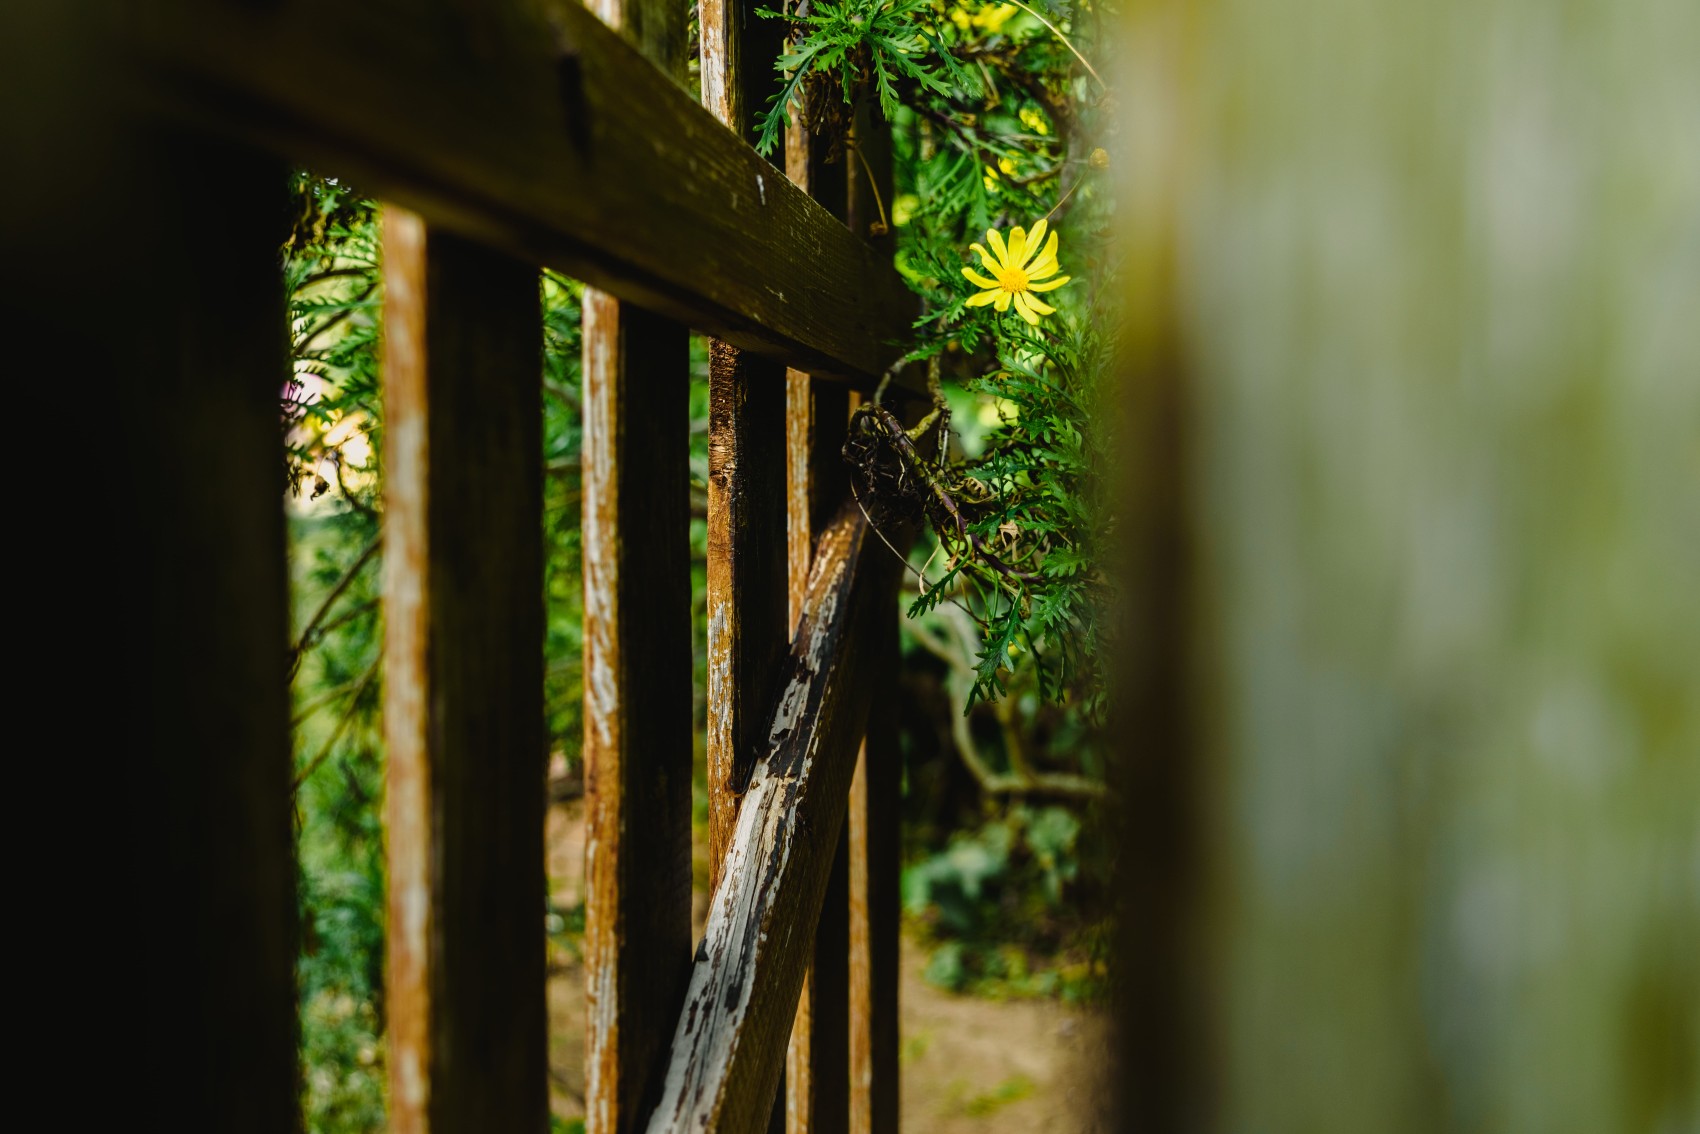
969,1066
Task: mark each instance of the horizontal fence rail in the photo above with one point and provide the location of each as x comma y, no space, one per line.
550,138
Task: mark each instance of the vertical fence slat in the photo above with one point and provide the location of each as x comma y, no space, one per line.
875,905
747,564
873,824
817,1064
747,570
463,709
637,666
637,701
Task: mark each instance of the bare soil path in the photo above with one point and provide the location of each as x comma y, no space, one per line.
970,1065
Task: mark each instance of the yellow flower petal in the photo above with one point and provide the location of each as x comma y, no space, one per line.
985,257
986,297
1049,285
1042,266
978,280
995,239
1023,310
1037,305
1048,256
1035,238
1017,246
1002,301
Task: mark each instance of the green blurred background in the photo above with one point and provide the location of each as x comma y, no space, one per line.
1427,279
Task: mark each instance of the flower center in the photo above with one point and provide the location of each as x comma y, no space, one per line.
1013,280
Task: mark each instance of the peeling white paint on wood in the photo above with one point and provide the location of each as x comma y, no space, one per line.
600,535
730,1043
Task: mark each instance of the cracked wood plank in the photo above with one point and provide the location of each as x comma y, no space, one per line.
728,1051
535,128
637,666
463,688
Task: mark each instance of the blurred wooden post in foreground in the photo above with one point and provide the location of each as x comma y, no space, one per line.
1408,701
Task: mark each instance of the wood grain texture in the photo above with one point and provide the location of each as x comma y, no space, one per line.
657,28
637,700
817,1063
873,832
748,464
548,137
637,665
747,572
738,52
463,710
728,1052
817,1060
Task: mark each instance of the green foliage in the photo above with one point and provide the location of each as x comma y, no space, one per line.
331,408
858,45
992,120
994,902
990,1102
331,278
996,120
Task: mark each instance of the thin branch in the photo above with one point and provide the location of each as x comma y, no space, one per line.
925,586
566,393
1022,780
324,699
1066,196
306,344
347,616
1065,42
341,724
873,185
342,584
353,500
332,274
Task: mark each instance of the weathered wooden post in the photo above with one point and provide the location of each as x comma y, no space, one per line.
637,666
463,688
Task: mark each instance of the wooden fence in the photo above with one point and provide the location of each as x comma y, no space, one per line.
505,137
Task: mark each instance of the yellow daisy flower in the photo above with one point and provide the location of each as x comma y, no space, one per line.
1019,269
